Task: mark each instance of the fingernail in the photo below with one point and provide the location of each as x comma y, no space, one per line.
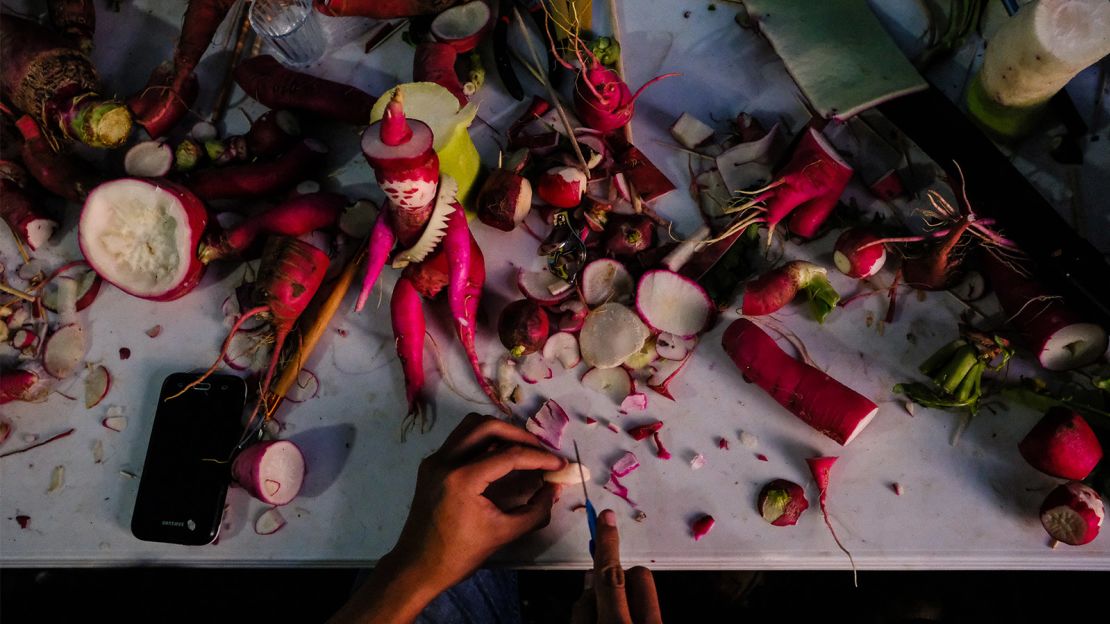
608,518
588,580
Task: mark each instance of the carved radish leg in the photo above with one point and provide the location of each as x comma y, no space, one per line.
408,330
381,244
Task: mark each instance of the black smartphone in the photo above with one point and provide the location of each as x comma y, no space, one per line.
186,472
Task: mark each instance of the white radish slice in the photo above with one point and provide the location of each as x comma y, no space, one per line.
97,384
621,184
606,280
307,387
269,522
543,287
548,424
64,350
149,159
625,465
635,402
611,334
203,131
88,286
671,347
534,368
358,219
568,475
672,303
615,383
562,347
115,423
271,471
690,131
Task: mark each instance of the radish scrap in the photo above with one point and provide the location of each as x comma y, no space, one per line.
57,479
115,423
697,462
661,451
543,286
97,384
307,387
616,487
548,424
782,502
635,402
702,526
269,522
643,432
625,465
534,368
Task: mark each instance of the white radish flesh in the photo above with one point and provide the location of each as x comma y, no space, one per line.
685,250
606,280
64,350
203,131
149,159
506,375
115,423
614,383
307,387
543,287
690,131
88,286
534,368
669,302
97,384
610,335
269,522
562,347
568,475
270,471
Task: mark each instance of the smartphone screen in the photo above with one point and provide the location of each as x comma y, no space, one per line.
186,472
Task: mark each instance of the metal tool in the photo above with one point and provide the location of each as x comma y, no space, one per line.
591,513
565,251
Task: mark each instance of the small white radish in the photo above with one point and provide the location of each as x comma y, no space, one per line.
567,475
548,424
307,387
64,350
543,287
635,402
271,471
534,368
149,159
115,423
606,280
610,335
97,384
690,131
563,348
625,465
269,522
614,383
669,302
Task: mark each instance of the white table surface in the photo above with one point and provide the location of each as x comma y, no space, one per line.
969,506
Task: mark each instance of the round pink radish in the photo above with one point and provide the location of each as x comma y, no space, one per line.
610,335
463,26
562,347
561,187
1072,513
614,383
505,199
606,280
1062,444
782,502
669,302
523,327
142,236
149,159
543,286
270,471
855,260
64,350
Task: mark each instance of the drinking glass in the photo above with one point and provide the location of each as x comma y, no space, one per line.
291,27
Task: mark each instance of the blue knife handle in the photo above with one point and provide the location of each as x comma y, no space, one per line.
591,521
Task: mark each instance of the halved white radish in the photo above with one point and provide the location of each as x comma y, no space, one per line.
358,219
270,471
606,280
115,423
307,387
563,348
269,522
664,372
615,383
463,26
690,131
64,350
142,236
635,402
534,368
97,384
88,287
610,335
571,474
543,286
548,424
149,159
672,347
672,303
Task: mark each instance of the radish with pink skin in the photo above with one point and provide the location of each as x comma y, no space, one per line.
643,432
1073,513
463,26
271,471
97,384
858,254
562,187
124,217
601,99
810,394
259,178
1062,444
295,217
635,402
628,235
562,347
782,502
771,291
523,327
606,280
669,302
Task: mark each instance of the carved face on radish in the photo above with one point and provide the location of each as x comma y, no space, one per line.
142,236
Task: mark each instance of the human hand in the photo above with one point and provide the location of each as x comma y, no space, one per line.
452,528
616,597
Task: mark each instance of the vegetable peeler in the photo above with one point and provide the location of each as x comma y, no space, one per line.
591,513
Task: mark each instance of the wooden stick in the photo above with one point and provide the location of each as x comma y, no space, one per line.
16,292
224,96
312,326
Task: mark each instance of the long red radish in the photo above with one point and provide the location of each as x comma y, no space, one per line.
20,210
259,178
769,292
75,19
435,62
297,216
54,82
124,236
782,502
380,246
858,253
381,9
172,88
820,401
821,467
1062,444
523,327
1061,338
1073,513
58,172
271,471
275,85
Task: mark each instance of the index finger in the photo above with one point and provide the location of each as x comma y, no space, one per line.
502,462
612,603
478,438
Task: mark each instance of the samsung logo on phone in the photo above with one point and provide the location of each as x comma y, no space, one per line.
188,524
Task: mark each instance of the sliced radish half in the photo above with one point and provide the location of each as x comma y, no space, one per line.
149,159
270,471
269,522
88,287
610,335
142,236
606,280
307,387
1072,345
64,350
97,384
534,368
463,26
115,423
543,286
563,348
615,383
669,302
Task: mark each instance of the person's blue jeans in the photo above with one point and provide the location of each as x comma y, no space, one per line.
487,597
